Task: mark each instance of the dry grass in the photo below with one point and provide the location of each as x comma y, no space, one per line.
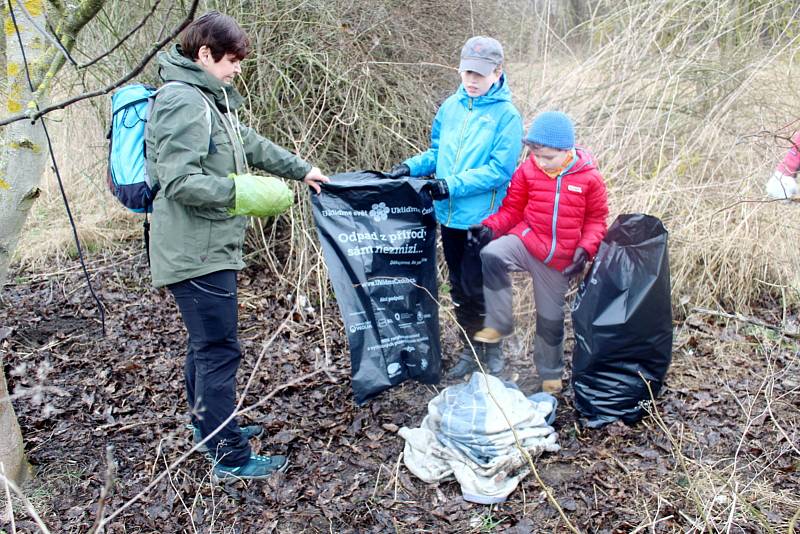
687,106
684,105
79,141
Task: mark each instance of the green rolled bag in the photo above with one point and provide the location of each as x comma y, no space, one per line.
260,196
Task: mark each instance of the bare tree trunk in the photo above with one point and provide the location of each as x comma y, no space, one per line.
23,155
23,151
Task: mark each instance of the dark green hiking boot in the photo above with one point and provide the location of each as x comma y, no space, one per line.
249,431
256,468
493,358
466,361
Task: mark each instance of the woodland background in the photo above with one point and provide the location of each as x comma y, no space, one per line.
687,105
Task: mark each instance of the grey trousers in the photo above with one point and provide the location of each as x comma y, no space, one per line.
508,254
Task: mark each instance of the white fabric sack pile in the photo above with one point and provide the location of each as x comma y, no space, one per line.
466,435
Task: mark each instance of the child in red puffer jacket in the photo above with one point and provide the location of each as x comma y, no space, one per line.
549,225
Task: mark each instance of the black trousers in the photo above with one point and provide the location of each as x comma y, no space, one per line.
466,279
209,308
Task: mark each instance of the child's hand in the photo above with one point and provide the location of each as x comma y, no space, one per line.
578,263
478,236
437,189
398,171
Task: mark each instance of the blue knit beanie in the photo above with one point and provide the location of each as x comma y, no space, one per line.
553,129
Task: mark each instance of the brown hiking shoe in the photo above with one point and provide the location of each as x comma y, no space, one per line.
489,335
552,386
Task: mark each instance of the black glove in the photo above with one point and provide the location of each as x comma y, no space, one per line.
398,171
437,188
578,262
479,235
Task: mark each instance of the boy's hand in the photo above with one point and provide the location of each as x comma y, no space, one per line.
437,188
578,263
314,178
479,235
398,171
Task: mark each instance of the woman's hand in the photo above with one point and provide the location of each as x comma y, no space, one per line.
314,178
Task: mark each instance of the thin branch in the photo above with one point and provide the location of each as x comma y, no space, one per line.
292,383
52,38
28,506
52,60
58,5
122,40
749,320
34,115
9,502
111,470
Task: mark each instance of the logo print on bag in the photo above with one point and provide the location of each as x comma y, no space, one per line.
379,212
393,369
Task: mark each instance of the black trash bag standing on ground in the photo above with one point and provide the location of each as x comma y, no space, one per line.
622,318
379,241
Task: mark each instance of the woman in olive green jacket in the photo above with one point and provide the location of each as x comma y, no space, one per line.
198,153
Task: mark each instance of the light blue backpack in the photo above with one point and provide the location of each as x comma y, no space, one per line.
127,172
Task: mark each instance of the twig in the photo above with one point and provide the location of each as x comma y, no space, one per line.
28,506
397,474
52,38
750,320
525,454
122,40
767,392
196,446
111,471
751,201
9,504
178,494
793,522
678,452
651,525
33,116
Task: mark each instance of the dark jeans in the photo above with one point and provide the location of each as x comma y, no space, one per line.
466,279
209,308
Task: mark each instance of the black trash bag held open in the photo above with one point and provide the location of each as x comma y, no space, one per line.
379,241
622,318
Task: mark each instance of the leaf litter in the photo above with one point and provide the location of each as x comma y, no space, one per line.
712,456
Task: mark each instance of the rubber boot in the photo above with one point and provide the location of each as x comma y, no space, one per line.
493,358
549,360
466,361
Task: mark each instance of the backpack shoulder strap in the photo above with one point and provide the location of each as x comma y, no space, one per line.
238,151
239,157
177,83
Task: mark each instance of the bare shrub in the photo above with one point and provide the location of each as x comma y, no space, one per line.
688,106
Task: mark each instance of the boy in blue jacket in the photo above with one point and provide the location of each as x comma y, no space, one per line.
476,140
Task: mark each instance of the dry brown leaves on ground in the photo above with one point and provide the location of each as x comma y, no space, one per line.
720,453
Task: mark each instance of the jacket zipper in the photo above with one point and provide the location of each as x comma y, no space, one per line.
491,205
458,155
555,221
555,209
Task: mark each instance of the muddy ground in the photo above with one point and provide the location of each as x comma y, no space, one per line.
722,455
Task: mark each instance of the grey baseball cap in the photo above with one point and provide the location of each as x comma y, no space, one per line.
482,55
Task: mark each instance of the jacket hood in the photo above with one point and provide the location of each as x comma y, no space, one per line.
585,161
174,66
499,92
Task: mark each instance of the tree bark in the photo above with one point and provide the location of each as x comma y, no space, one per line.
23,155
